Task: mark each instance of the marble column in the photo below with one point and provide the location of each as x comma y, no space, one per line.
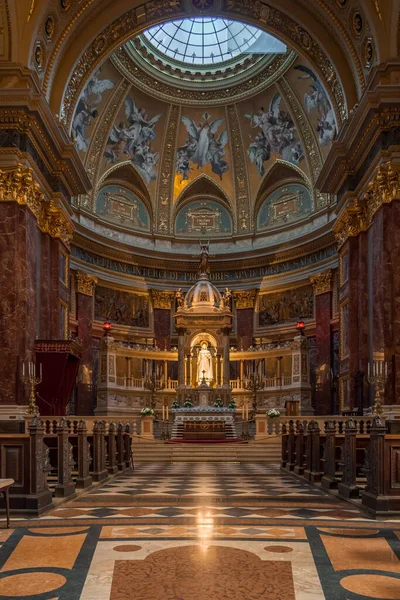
162,304
181,357
385,292
322,284
19,248
244,302
85,285
225,357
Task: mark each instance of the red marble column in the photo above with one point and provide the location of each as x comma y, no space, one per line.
385,290
323,314
245,327
45,332
162,328
84,311
18,265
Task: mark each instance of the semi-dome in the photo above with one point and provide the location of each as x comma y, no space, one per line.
203,296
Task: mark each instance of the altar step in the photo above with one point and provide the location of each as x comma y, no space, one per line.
253,452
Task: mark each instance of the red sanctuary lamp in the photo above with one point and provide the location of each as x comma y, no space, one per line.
107,327
300,327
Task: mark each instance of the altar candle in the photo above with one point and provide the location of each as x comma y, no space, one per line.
243,412
23,369
167,412
163,412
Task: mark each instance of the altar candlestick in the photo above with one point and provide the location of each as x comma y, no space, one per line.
23,370
163,413
243,412
40,370
167,407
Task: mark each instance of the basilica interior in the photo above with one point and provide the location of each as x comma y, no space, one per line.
200,299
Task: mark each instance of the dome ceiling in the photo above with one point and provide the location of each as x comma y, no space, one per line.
209,167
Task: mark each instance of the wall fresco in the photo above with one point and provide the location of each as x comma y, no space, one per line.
286,306
121,307
203,217
119,205
284,206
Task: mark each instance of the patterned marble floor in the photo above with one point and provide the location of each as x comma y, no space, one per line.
204,532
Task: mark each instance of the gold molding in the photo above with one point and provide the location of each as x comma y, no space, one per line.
18,185
244,299
85,283
322,283
358,215
162,299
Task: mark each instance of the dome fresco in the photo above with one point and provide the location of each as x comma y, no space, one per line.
171,144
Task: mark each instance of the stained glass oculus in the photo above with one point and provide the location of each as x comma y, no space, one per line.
206,41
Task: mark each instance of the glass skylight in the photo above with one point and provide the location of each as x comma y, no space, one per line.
205,41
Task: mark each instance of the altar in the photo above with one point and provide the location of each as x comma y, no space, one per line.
204,424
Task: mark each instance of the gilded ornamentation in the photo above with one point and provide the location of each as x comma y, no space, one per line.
304,129
100,135
39,56
18,185
31,9
245,299
240,171
165,183
162,299
85,284
49,26
142,16
358,214
322,283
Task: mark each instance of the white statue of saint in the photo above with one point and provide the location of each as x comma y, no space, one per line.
204,365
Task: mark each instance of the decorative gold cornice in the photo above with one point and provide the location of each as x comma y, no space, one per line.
244,299
162,299
358,214
18,185
204,95
322,283
271,257
85,283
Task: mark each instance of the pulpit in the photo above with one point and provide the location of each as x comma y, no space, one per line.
60,363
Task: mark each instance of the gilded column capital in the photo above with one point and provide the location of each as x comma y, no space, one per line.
352,220
85,283
358,214
322,283
162,299
18,185
245,298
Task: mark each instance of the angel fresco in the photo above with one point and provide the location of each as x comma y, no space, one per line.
202,146
277,135
86,111
133,138
318,99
